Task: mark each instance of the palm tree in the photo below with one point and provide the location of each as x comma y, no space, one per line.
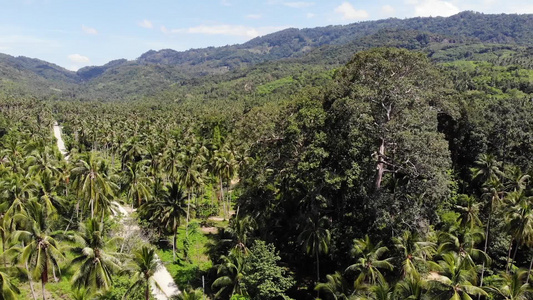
519,218
191,170
512,286
463,241
82,294
413,251
455,279
315,239
240,228
335,287
411,288
369,262
469,213
230,273
137,186
190,295
517,180
487,167
97,265
92,180
493,192
225,167
166,211
146,264
41,250
8,291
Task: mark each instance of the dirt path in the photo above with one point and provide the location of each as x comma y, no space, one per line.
60,143
162,276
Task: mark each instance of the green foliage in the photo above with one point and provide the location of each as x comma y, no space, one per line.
265,279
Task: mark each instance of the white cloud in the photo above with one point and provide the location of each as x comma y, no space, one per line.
434,8
254,16
146,24
89,30
387,10
225,3
310,15
234,30
299,4
349,13
78,58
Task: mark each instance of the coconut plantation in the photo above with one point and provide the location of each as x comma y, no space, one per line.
383,158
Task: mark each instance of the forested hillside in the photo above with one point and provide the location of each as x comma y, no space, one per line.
386,160
459,36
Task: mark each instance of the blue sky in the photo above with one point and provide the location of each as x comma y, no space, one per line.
77,33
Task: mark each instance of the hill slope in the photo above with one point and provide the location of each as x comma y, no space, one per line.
155,71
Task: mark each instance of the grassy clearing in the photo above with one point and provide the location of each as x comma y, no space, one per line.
187,271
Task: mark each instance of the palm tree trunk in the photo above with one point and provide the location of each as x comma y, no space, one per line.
30,281
92,208
509,256
228,195
42,286
317,272
188,212
529,270
174,245
44,278
317,267
485,249
4,249
54,273
222,198
69,222
514,253
147,290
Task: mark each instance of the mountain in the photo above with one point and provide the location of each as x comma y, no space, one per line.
466,34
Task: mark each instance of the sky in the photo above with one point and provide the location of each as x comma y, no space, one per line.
78,33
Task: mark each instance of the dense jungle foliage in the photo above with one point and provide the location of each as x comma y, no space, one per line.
402,172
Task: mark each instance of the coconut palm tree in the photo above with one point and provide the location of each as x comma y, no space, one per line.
191,295
519,219
138,184
230,272
145,265
413,251
191,171
464,241
225,168
486,167
454,279
336,287
369,262
240,228
96,264
40,250
315,239
167,211
512,286
8,291
411,288
93,183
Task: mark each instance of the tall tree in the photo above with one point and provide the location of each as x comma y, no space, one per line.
167,211
40,250
97,265
315,239
145,265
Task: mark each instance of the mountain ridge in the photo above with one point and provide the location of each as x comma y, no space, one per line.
160,69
